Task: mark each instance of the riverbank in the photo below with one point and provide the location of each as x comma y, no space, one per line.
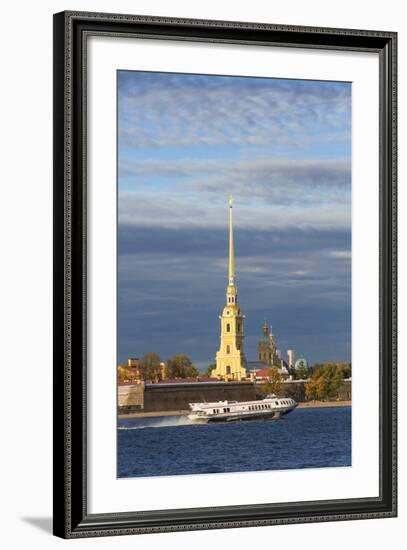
306,405
322,404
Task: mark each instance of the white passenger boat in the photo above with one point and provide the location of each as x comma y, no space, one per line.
226,411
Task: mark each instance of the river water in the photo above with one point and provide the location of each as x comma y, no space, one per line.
305,438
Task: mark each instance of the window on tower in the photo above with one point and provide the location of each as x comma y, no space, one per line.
228,327
228,349
238,327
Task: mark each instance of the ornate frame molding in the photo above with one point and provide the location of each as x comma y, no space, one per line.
71,30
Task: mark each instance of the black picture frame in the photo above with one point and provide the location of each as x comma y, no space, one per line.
71,518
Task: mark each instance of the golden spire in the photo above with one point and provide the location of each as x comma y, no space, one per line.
231,248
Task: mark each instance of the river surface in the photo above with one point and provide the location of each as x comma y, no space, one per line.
305,438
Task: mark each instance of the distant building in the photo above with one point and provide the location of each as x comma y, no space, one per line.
230,359
301,364
291,358
268,353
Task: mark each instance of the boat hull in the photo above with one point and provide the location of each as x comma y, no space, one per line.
242,416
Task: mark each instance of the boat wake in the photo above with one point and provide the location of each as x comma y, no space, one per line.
163,423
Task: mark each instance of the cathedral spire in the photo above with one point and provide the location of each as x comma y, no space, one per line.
231,247
230,359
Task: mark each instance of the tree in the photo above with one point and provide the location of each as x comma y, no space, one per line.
150,367
124,374
346,368
274,381
180,366
333,377
325,381
314,388
209,370
301,373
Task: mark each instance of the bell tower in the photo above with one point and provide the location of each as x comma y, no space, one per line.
230,359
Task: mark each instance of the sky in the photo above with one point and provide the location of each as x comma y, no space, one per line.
282,148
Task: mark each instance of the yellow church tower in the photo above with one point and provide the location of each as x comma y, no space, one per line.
230,359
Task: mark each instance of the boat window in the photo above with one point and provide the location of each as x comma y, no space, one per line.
277,403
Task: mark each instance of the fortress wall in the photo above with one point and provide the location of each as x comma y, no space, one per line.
131,396
296,390
176,397
169,397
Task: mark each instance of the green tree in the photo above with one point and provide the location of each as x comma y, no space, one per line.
180,366
150,367
333,378
209,370
325,381
273,382
346,369
301,373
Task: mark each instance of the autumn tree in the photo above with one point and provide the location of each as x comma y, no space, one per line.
325,381
273,382
314,388
180,366
124,374
150,367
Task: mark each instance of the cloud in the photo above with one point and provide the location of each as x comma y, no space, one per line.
148,208
282,148
172,285
268,192
277,172
341,254
158,109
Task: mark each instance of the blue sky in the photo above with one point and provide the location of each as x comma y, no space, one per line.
282,148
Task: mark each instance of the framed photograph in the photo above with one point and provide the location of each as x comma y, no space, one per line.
224,274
